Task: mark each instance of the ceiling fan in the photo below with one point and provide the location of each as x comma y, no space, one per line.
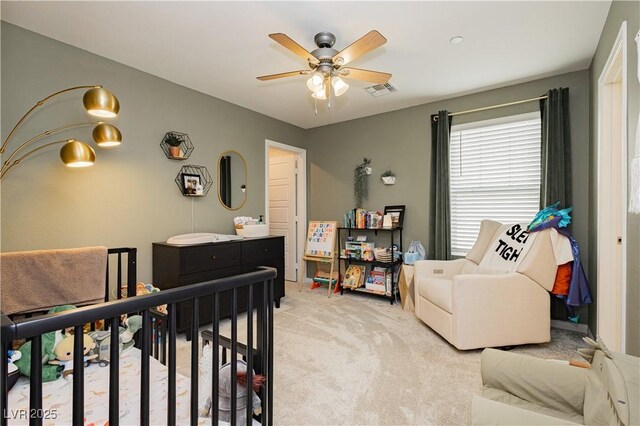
327,65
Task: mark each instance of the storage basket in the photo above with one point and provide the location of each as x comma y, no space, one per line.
382,254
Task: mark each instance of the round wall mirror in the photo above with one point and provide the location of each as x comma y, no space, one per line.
232,180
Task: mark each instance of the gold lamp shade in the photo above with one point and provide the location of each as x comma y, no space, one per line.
107,135
77,154
101,102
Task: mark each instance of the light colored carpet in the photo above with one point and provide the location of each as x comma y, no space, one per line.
357,360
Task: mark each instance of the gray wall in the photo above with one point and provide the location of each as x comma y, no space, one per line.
128,198
619,12
401,140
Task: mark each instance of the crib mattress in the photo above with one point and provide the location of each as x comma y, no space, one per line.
57,396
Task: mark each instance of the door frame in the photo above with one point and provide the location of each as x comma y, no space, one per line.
301,196
616,65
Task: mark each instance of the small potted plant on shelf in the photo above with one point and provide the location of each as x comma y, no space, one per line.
388,177
174,144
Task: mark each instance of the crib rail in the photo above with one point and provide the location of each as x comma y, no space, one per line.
131,257
259,295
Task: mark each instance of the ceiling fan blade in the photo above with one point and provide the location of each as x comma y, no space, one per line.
366,75
282,75
288,42
370,41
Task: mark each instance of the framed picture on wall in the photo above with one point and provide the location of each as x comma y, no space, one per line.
190,183
397,215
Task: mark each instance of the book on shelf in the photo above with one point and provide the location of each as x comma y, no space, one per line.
363,219
377,280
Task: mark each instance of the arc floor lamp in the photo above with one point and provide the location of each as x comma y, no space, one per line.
98,102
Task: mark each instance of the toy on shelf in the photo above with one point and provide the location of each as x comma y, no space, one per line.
354,276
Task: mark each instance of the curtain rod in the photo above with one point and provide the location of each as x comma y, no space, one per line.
435,117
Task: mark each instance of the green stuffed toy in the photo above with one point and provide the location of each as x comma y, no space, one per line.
49,341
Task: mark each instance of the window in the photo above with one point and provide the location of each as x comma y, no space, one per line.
495,174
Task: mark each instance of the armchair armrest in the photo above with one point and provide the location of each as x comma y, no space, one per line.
485,411
499,310
560,387
439,268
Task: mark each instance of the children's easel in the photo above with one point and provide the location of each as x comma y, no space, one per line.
321,247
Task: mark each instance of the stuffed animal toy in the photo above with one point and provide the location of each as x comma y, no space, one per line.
103,339
131,326
12,369
50,372
142,288
64,353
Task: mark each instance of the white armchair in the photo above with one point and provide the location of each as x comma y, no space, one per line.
473,304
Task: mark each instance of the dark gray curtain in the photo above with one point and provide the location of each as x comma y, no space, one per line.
439,246
555,179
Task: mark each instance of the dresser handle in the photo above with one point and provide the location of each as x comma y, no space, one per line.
213,258
266,250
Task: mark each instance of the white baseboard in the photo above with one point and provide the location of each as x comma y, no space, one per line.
567,325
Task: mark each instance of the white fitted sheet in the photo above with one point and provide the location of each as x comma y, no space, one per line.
57,396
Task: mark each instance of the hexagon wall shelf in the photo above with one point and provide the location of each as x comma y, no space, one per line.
182,151
192,176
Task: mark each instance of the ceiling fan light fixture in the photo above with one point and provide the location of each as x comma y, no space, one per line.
315,82
339,86
319,94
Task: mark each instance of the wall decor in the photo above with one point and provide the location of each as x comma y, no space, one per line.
361,181
232,180
176,145
191,184
397,215
194,181
388,177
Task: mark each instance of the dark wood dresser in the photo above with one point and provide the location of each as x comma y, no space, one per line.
177,266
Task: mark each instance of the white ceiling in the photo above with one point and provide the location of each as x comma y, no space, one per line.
219,48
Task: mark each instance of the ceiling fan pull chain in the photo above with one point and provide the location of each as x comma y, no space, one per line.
316,105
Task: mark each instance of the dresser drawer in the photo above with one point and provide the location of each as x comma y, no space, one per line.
255,251
208,257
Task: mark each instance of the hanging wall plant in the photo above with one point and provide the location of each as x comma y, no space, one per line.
361,181
388,177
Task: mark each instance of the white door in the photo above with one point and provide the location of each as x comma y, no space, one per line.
611,198
282,206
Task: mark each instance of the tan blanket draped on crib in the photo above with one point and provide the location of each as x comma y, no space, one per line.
41,279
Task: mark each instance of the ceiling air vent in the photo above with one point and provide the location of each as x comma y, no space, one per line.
381,89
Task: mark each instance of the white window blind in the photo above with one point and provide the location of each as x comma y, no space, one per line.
495,174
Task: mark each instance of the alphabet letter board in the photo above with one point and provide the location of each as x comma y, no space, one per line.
321,239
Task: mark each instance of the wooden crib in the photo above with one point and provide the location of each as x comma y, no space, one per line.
156,339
